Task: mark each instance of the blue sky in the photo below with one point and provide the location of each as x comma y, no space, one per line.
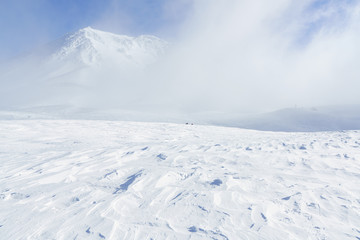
25,24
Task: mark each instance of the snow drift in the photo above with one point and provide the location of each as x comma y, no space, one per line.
126,180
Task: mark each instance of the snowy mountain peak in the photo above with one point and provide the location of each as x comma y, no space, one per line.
87,29
74,66
93,47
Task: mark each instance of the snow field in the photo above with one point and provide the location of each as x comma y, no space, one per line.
64,179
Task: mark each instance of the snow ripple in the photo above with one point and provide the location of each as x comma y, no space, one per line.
126,180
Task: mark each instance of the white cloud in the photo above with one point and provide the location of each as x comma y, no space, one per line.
263,55
239,56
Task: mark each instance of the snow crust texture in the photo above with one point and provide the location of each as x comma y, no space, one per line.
126,180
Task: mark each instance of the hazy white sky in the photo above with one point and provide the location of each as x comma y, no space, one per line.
269,54
232,55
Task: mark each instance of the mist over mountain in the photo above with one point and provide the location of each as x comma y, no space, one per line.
92,74
84,69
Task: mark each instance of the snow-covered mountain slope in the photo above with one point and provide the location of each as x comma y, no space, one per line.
329,118
78,69
94,47
127,180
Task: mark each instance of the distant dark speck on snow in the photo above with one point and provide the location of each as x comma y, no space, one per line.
161,156
216,182
192,229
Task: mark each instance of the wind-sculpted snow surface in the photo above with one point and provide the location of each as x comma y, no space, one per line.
125,180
